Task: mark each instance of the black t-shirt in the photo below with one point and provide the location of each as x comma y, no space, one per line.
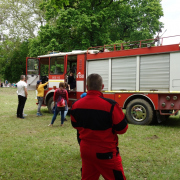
71,82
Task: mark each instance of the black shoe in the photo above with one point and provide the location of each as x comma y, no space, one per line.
65,119
22,117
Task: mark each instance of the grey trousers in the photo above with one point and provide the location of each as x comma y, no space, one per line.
40,101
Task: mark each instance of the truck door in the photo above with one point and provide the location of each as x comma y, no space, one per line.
33,72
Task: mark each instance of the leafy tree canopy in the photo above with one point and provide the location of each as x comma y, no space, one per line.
79,24
21,18
13,59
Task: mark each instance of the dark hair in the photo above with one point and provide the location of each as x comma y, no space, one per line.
94,82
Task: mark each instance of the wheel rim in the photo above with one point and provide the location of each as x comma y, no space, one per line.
138,113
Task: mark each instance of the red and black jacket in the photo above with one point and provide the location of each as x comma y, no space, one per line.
98,120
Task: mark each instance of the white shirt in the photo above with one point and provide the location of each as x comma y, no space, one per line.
20,88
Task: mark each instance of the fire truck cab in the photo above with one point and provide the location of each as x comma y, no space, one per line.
56,68
144,79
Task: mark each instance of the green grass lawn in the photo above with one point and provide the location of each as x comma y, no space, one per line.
31,150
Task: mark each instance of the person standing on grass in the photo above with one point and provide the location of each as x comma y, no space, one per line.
61,92
66,110
40,95
98,121
22,96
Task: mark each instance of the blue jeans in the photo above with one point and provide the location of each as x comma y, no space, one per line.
65,113
55,115
40,101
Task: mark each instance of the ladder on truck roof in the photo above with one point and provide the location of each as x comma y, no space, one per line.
131,45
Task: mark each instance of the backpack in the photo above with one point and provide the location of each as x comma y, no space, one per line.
61,104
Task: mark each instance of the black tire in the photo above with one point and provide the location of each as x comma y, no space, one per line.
139,112
50,105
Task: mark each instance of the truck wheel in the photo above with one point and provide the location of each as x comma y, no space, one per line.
50,105
139,112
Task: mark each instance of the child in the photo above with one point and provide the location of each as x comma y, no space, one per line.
40,95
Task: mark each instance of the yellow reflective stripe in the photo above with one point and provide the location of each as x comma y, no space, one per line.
156,92
56,80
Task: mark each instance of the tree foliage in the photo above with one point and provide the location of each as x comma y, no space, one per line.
13,59
84,23
20,18
53,7
71,25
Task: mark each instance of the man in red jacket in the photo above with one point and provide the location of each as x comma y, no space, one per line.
98,121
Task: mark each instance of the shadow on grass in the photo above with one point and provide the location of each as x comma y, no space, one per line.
173,121
34,111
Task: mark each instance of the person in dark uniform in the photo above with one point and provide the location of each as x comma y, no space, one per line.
71,81
98,120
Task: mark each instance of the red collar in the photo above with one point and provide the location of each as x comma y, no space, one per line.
95,93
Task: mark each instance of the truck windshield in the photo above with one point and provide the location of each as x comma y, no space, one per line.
57,65
33,66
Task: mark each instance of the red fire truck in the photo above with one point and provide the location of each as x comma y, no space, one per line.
144,78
